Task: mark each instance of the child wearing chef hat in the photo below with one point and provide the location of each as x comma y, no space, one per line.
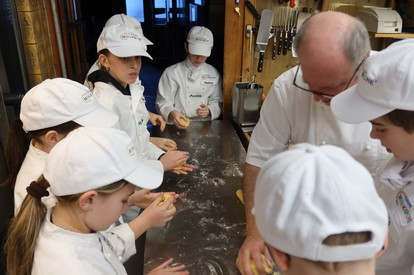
154,119
49,111
92,172
318,212
384,96
191,89
120,49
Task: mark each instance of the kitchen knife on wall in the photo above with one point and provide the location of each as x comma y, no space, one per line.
293,28
263,35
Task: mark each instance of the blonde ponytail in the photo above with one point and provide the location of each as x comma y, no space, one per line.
24,230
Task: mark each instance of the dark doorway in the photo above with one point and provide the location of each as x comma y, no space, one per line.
164,22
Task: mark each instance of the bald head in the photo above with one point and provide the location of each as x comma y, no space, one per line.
332,37
330,46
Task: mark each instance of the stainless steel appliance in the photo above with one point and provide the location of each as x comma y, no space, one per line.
246,102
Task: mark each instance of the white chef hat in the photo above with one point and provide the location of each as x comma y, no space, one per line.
386,84
200,41
309,193
60,100
90,158
122,41
123,19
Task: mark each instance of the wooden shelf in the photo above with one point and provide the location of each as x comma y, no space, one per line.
392,35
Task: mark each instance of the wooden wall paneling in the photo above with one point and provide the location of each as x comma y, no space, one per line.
271,68
61,6
53,39
35,37
247,52
325,5
232,57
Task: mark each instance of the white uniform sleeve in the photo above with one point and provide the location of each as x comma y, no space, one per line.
272,133
215,100
154,152
122,240
167,90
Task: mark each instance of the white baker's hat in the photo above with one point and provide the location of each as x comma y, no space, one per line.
123,19
60,100
308,193
200,41
122,41
90,158
386,84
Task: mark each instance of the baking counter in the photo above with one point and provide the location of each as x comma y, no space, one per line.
209,226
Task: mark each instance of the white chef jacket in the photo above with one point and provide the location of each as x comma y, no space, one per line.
96,66
290,114
59,251
133,115
32,167
395,187
184,87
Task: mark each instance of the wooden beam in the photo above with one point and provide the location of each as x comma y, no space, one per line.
53,39
325,5
233,42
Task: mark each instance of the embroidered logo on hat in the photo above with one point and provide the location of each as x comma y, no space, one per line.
131,149
126,36
87,97
202,39
367,79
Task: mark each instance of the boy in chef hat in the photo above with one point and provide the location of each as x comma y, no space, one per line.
384,96
318,212
191,89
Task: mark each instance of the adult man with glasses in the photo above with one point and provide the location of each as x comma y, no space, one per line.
332,48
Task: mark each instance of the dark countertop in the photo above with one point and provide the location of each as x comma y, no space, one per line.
209,226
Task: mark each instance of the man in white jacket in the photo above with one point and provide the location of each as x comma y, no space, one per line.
332,48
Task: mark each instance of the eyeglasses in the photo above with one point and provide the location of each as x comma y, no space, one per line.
322,94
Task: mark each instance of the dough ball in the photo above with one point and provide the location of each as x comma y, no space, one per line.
268,268
164,199
185,122
178,167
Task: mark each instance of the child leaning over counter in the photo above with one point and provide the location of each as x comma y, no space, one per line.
154,119
120,49
384,96
49,111
92,172
319,213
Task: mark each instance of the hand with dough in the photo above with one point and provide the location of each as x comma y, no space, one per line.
155,215
174,158
163,143
177,117
144,197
